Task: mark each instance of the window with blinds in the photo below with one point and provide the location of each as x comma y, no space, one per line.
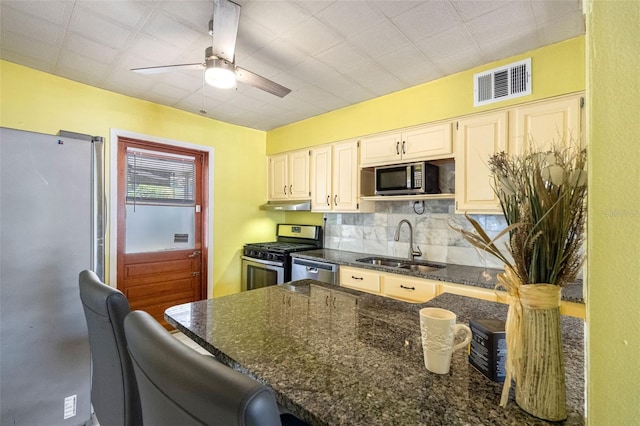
156,179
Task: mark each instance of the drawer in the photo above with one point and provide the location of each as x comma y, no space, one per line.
476,292
409,289
360,279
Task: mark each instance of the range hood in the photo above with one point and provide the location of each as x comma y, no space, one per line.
293,205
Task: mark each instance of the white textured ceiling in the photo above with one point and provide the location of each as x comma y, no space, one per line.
330,53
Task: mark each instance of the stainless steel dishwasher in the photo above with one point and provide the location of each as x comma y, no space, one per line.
310,269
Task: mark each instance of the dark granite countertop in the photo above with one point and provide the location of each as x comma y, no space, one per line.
335,356
458,274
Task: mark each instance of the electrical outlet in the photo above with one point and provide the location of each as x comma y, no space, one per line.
70,406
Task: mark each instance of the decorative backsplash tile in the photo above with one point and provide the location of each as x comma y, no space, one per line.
372,233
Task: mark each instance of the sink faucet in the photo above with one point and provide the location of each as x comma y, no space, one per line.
412,253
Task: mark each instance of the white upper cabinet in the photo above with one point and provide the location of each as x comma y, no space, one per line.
555,121
345,181
289,176
278,177
321,178
478,138
335,178
431,141
537,125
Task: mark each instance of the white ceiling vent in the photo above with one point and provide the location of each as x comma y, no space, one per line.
499,84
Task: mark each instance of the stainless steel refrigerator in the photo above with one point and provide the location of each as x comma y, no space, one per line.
50,229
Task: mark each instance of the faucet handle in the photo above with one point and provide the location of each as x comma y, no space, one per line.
416,252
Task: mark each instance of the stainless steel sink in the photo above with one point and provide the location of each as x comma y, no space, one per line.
421,268
381,262
401,264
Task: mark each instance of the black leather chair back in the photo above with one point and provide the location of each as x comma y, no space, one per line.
114,391
179,386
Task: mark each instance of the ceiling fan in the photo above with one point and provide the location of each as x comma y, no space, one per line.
219,66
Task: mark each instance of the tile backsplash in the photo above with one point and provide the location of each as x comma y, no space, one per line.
372,233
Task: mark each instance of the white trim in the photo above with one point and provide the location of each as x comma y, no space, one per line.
113,198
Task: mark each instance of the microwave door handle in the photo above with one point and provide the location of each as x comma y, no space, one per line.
409,177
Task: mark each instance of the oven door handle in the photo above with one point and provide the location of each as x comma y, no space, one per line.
262,261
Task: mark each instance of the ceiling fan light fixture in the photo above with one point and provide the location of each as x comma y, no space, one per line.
220,73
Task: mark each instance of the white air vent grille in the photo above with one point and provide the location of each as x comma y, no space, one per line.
499,84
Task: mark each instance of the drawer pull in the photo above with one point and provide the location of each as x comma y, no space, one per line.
407,288
357,278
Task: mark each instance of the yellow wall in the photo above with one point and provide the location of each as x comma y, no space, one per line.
556,69
613,305
40,102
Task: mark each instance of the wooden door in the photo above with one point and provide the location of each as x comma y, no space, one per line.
321,179
477,139
345,176
278,179
432,141
543,124
381,149
161,194
299,174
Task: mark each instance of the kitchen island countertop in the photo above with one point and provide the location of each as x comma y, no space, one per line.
458,274
335,356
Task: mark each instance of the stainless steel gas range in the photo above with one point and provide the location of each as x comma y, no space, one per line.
269,263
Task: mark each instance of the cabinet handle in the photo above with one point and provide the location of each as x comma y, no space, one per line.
284,190
290,189
403,142
335,200
328,200
333,302
326,300
398,148
357,278
407,288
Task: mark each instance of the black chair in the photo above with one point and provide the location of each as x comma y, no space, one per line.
179,386
114,391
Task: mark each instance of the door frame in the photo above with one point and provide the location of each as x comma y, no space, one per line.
113,200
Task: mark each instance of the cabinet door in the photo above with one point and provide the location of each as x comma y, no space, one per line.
381,149
410,289
321,179
360,279
543,124
477,138
427,142
278,177
345,176
298,174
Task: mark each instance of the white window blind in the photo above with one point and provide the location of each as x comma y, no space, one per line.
155,178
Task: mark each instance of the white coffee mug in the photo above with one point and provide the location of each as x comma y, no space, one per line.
439,329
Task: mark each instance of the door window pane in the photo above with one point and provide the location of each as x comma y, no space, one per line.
157,228
160,204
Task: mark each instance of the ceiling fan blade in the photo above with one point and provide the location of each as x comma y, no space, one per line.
167,68
260,82
226,17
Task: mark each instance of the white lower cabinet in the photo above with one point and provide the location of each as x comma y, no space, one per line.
410,289
360,279
420,290
395,286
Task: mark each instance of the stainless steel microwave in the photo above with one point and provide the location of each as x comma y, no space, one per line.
405,179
